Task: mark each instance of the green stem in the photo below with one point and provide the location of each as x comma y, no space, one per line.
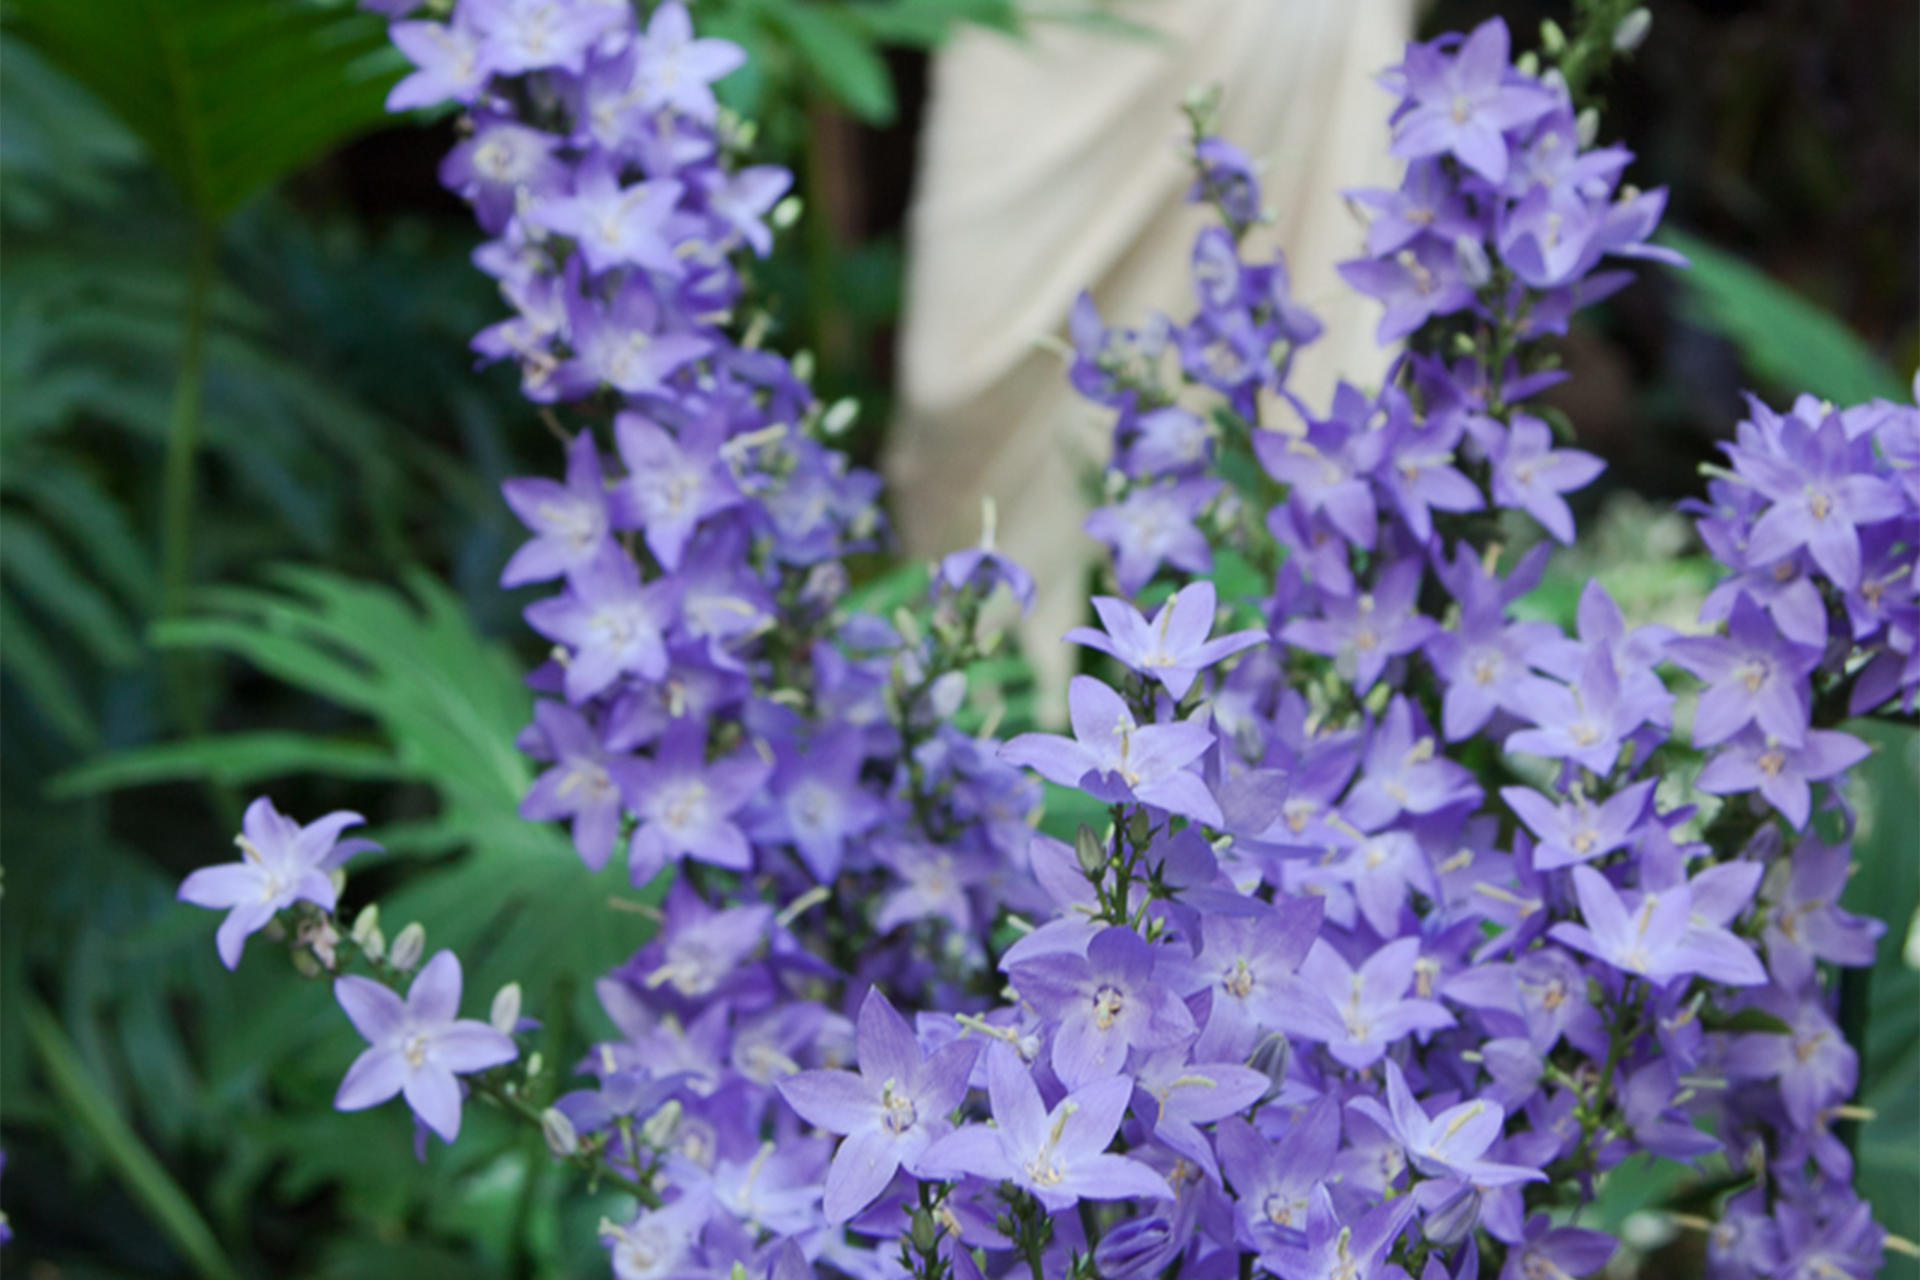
177,478
183,430
165,1203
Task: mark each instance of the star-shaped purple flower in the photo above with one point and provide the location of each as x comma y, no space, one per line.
417,1046
281,863
1172,648
1115,759
889,1112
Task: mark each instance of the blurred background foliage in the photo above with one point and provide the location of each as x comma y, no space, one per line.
249,534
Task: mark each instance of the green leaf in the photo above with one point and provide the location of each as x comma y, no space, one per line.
235,760
1744,1020
25,655
230,96
97,1118
1784,339
40,570
843,57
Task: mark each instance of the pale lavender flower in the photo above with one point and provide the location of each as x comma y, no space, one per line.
1449,1145
1653,934
1579,830
281,863
687,804
1114,758
1754,676
417,1045
677,69
1463,104
1530,474
672,483
580,785
1114,999
889,1112
1359,1013
1155,525
1752,761
569,521
1172,648
613,624
449,63
1363,632
1822,489
1060,1157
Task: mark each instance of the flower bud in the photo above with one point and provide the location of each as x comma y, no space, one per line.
658,1129
843,413
1271,1058
1528,63
535,1063
338,879
948,692
922,1231
1449,1222
562,1139
1586,126
408,946
1136,1247
907,625
1552,39
1632,31
505,1014
1089,851
1471,257
786,213
366,932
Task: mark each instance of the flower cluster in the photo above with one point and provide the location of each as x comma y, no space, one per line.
1410,919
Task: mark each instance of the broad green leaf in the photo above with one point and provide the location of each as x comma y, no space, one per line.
230,96
235,760
843,57
1786,340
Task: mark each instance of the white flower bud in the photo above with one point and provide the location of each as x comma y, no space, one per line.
842,414
535,1063
408,946
1552,39
505,1014
1632,31
1470,255
562,1139
786,213
658,1129
1586,126
948,692
1528,63
366,932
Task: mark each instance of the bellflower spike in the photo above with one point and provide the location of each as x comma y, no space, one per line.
1173,648
281,863
889,1112
1113,758
418,1045
1060,1157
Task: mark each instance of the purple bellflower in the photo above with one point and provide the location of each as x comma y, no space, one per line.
889,1112
1172,648
281,863
1058,1156
1105,1003
1114,758
418,1045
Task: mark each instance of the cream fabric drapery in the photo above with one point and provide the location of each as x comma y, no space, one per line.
1057,164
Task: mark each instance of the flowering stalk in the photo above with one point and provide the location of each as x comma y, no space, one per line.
1415,919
